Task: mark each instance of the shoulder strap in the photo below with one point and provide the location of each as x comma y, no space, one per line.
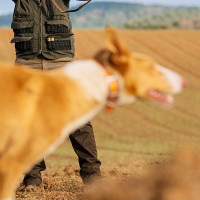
75,10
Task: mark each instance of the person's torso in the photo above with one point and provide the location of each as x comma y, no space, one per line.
41,29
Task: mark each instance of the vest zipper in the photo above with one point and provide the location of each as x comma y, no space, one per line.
40,22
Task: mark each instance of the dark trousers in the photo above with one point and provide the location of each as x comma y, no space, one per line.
84,145
82,140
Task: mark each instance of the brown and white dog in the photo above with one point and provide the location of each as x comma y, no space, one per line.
39,109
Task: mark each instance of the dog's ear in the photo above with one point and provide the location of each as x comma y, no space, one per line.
114,42
119,51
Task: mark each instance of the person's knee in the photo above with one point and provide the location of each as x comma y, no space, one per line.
86,129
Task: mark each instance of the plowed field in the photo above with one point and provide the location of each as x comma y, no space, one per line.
133,138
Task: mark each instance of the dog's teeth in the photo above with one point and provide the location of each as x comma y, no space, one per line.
161,97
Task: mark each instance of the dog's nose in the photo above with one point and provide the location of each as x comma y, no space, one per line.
184,84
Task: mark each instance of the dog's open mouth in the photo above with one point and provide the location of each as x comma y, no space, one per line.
161,97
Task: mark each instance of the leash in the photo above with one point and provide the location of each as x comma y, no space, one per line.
75,10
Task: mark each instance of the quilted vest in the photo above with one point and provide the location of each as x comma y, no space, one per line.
41,29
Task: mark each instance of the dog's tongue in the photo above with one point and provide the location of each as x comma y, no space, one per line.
158,96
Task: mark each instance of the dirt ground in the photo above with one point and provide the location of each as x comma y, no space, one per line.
57,185
64,183
61,179
176,179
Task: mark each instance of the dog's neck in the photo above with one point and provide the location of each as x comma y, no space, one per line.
91,77
104,59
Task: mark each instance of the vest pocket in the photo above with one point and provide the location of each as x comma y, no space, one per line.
23,44
58,44
22,27
57,27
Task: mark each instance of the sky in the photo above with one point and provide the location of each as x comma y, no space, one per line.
6,6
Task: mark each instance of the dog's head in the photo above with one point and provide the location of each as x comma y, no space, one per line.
140,75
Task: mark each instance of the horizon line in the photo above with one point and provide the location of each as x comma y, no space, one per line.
128,2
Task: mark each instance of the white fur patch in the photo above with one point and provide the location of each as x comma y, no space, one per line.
174,79
91,76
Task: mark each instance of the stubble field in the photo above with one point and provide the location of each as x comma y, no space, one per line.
134,138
